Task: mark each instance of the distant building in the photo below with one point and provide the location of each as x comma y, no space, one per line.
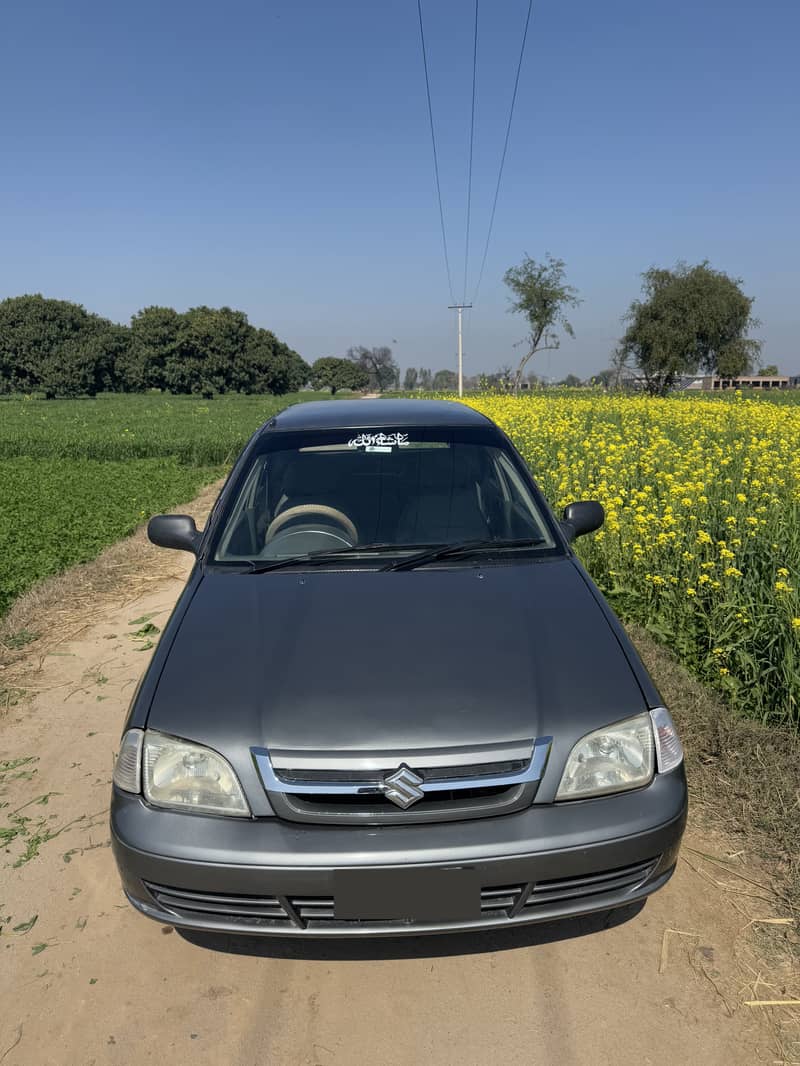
713,383
747,381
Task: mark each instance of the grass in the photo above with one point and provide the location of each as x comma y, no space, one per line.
744,776
187,429
58,512
77,475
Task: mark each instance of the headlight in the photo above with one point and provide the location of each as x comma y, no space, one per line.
614,759
177,774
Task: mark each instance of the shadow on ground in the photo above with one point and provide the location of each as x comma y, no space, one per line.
411,947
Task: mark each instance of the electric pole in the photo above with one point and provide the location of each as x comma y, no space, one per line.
459,308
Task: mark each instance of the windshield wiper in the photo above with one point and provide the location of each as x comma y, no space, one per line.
465,548
312,558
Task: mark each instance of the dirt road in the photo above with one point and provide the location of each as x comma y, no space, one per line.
91,982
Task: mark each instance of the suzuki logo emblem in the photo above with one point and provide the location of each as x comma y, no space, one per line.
402,787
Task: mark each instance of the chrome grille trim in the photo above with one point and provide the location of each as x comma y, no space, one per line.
431,773
467,755
270,763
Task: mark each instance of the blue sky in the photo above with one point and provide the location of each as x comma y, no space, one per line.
276,158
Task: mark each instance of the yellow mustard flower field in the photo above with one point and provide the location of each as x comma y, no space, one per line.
701,542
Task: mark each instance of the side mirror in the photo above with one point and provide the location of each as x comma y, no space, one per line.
174,531
583,517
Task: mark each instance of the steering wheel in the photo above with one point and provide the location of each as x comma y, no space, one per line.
322,509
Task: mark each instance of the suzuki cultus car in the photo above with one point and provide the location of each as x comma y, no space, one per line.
390,699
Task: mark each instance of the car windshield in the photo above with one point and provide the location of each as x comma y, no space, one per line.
386,491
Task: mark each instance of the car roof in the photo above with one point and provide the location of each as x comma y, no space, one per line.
375,414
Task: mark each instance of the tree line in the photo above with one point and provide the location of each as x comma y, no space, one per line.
58,348
689,318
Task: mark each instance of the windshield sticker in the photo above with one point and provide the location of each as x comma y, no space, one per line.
379,442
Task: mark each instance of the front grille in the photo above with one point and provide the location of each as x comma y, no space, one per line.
357,787
290,912
377,810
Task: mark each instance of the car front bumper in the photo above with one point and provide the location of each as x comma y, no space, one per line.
271,877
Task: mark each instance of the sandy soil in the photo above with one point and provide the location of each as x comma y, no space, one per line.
92,982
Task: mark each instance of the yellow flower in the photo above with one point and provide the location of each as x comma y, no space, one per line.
708,478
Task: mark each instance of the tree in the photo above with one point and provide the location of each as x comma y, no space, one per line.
206,351
571,382
210,355
331,373
541,295
56,347
273,366
445,381
769,371
500,380
410,380
153,346
382,371
425,379
104,351
690,318
59,348
291,370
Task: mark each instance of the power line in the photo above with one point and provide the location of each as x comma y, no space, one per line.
435,155
471,142
505,149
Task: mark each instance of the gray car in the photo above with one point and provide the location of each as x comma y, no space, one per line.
390,699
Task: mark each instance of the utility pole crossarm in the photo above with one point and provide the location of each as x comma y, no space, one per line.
459,308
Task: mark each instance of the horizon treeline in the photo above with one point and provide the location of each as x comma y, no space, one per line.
58,348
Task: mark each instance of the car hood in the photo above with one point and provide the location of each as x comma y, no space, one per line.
364,660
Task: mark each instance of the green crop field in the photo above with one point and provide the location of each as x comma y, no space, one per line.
76,475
